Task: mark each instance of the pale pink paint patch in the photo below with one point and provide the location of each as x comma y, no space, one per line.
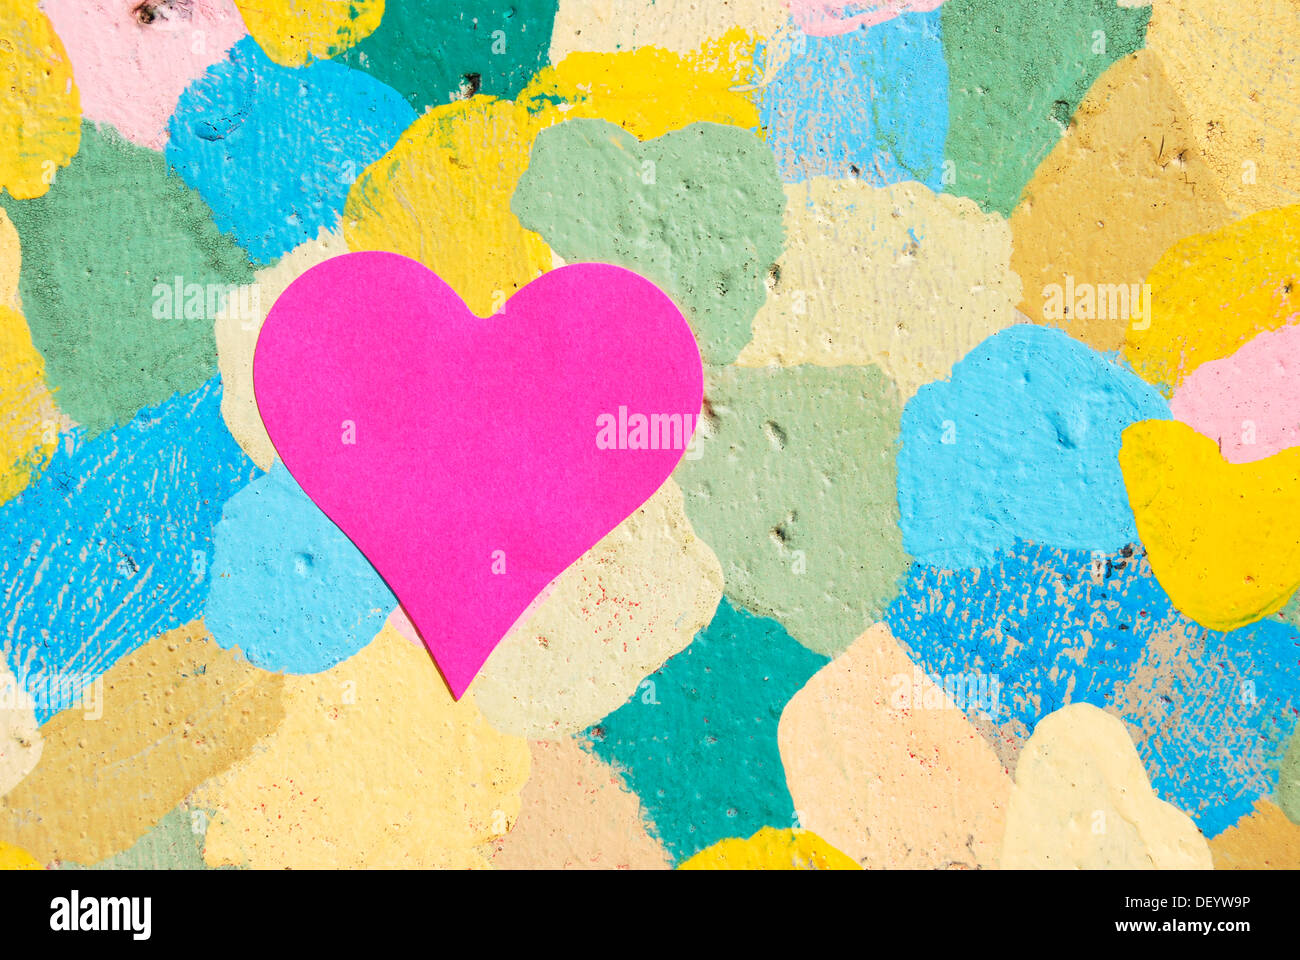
464,456
828,18
400,622
133,58
1250,401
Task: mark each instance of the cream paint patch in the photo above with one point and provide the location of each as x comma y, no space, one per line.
160,722
236,332
884,765
374,766
896,276
676,25
630,603
1082,800
1125,185
21,741
577,813
1235,67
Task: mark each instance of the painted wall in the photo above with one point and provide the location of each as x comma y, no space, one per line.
985,550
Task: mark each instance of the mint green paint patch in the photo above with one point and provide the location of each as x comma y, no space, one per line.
698,211
101,254
793,486
1288,780
1290,614
174,843
1017,71
434,51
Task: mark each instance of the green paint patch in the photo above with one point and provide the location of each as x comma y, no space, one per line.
435,51
794,489
698,211
1018,70
114,229
1288,780
174,843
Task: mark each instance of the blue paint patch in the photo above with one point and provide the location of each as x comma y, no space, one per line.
874,100
274,150
1210,713
1022,442
112,546
288,587
704,758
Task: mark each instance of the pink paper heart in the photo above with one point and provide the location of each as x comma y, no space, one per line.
475,442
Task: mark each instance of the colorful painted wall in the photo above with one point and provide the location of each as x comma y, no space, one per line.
983,554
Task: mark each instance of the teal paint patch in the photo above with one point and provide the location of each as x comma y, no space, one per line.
697,741
434,51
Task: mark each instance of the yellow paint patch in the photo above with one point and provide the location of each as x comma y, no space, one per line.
13,858
677,25
21,742
374,766
628,604
883,764
11,263
1112,196
1212,292
40,109
236,335
442,196
772,849
294,32
1082,800
927,303
577,814
1220,537
168,716
651,91
1235,66
29,422
1265,840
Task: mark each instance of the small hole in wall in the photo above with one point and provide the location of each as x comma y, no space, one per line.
470,84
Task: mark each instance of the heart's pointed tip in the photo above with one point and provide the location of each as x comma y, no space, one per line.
458,677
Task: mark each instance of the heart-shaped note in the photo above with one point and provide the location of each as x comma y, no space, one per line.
472,460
